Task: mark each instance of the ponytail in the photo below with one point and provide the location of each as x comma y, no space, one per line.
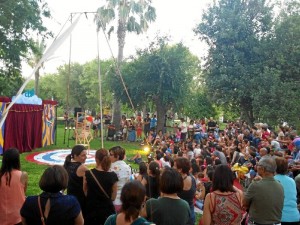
67,161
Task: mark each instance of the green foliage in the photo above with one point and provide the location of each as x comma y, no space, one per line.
19,21
10,86
198,106
84,85
90,81
253,63
134,15
234,30
160,74
49,87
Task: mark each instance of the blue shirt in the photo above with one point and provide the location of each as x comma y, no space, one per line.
63,209
290,212
153,122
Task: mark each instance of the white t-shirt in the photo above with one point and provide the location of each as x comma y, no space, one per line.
123,172
183,127
197,152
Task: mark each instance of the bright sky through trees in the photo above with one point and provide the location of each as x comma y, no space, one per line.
175,18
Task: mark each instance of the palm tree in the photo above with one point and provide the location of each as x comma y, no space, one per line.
38,49
133,16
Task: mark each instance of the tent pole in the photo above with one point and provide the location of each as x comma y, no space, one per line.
69,71
100,91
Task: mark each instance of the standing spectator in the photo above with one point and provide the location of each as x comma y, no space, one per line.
211,125
147,125
169,209
100,187
153,122
52,205
265,206
132,197
290,213
223,206
97,127
123,171
183,126
191,130
124,127
183,166
197,131
178,135
131,130
13,185
74,164
139,130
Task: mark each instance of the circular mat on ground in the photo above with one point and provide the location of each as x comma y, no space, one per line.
57,157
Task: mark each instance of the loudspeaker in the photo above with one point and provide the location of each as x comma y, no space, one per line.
76,110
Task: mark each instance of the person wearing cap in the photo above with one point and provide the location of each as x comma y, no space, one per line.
264,198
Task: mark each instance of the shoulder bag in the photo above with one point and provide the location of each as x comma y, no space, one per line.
100,186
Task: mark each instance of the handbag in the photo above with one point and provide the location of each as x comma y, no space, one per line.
100,186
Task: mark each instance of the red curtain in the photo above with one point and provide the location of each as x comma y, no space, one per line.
23,127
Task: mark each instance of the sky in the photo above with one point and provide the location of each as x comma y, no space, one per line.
175,18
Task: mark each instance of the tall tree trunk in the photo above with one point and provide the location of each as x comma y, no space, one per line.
121,43
247,111
117,114
36,82
121,33
161,112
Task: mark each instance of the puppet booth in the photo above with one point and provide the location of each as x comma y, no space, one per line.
30,123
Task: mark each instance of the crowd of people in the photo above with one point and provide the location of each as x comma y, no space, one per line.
196,169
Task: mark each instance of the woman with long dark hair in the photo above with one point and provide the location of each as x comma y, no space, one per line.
143,172
223,206
74,164
151,181
13,185
100,187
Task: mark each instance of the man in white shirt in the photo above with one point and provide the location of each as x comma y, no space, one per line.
183,127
